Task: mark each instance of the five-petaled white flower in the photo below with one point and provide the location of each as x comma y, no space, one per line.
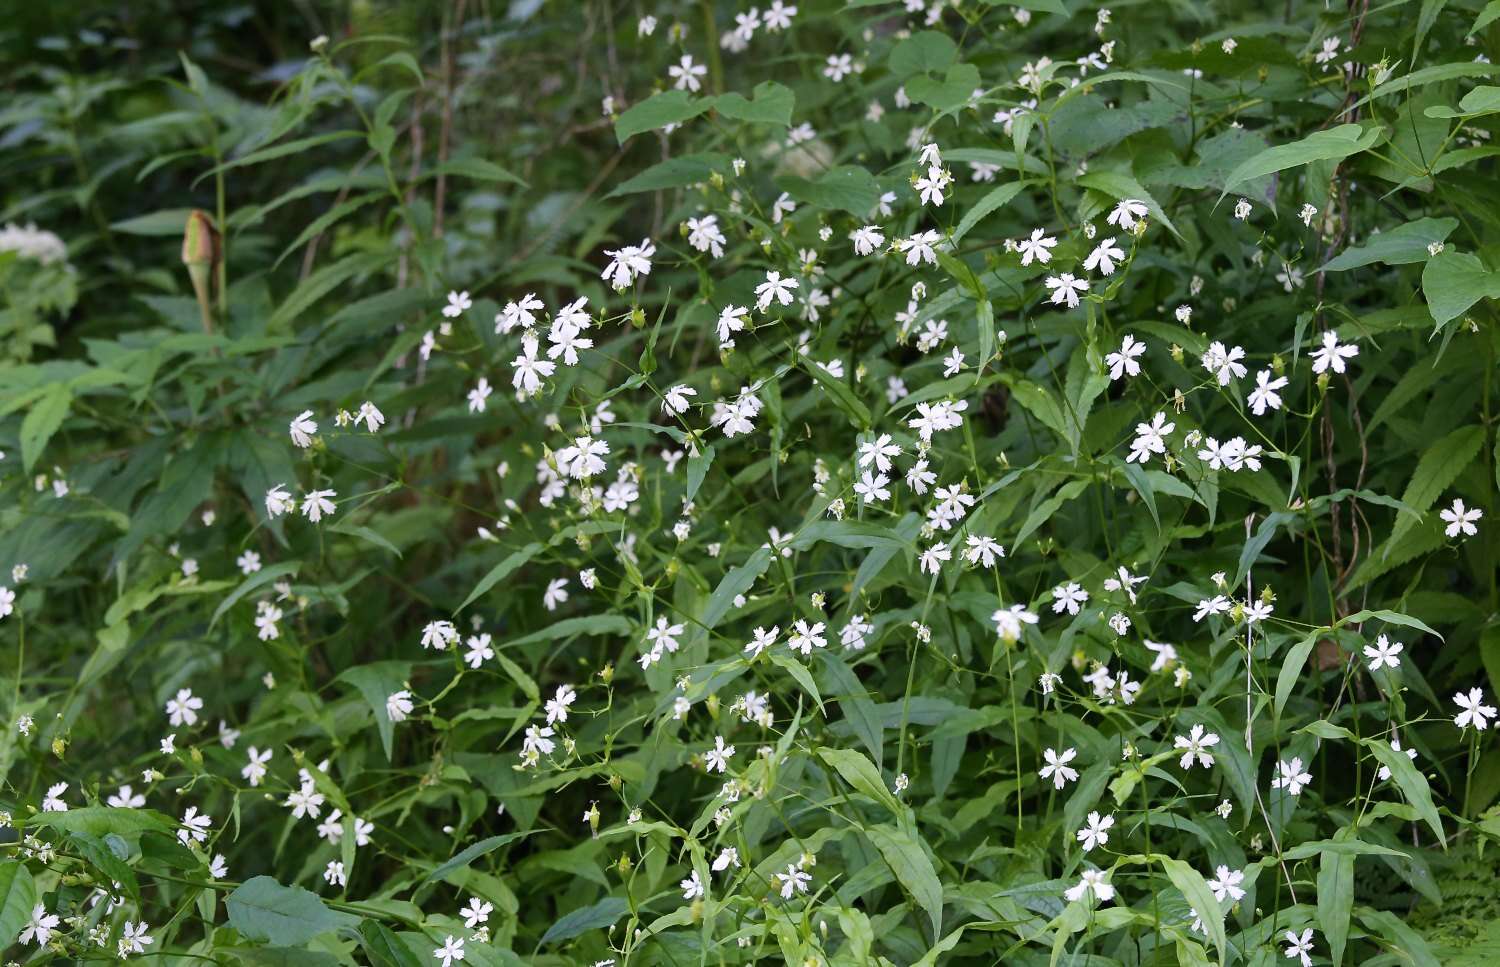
1291,776
1057,768
1332,353
1473,711
1384,653
1460,519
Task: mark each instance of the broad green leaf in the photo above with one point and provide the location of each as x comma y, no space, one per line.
500,572
847,188
1120,186
478,169
1395,246
926,50
1335,900
658,111
472,853
772,104
737,582
384,948
1195,890
994,199
859,772
689,169
840,392
17,897
1332,144
799,674
42,420
913,869
601,914
266,575
1292,666
377,681
1453,281
285,916
1438,467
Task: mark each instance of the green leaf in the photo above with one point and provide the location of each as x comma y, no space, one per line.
1291,668
1438,467
912,867
690,169
841,394
17,898
994,199
926,50
1195,890
858,771
658,111
1396,246
463,859
1335,900
284,916
478,169
773,104
952,92
1119,185
168,222
500,572
101,821
384,948
42,421
601,914
319,284
847,188
799,674
1487,16
377,681
593,624
1453,281
1330,145
1390,617
738,581
261,578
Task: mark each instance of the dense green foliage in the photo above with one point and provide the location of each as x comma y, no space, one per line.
949,482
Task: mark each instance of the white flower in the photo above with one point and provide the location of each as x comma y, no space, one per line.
838,67
685,76
1264,396
1094,883
478,395
1065,289
1009,621
315,504
930,187
1126,213
866,239
183,709
40,927
1224,363
194,826
805,638
1332,353
1384,653
1196,745
692,887
133,938
1068,597
1150,438
1384,772
1037,248
458,304
793,880
1460,519
872,487
398,705
1057,768
1301,947
302,429
254,770
1096,832
728,856
1123,362
279,501
555,594
476,913
775,288
1291,777
1105,256
1474,711
763,640
982,550
452,949
717,758
1226,883
919,247
479,650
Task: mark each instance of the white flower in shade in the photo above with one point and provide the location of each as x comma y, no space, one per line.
1057,768
279,502
1224,363
303,429
1384,772
40,927
1460,519
1473,711
1093,883
398,705
1384,653
1009,622
452,950
1122,362
316,504
692,887
866,239
1291,777
763,639
1066,289
1127,213
675,400
794,880
1096,832
1038,248
1332,353
183,708
1196,745
1301,946
1105,257
1226,884
685,76
920,248
458,304
1264,396
717,758
776,289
